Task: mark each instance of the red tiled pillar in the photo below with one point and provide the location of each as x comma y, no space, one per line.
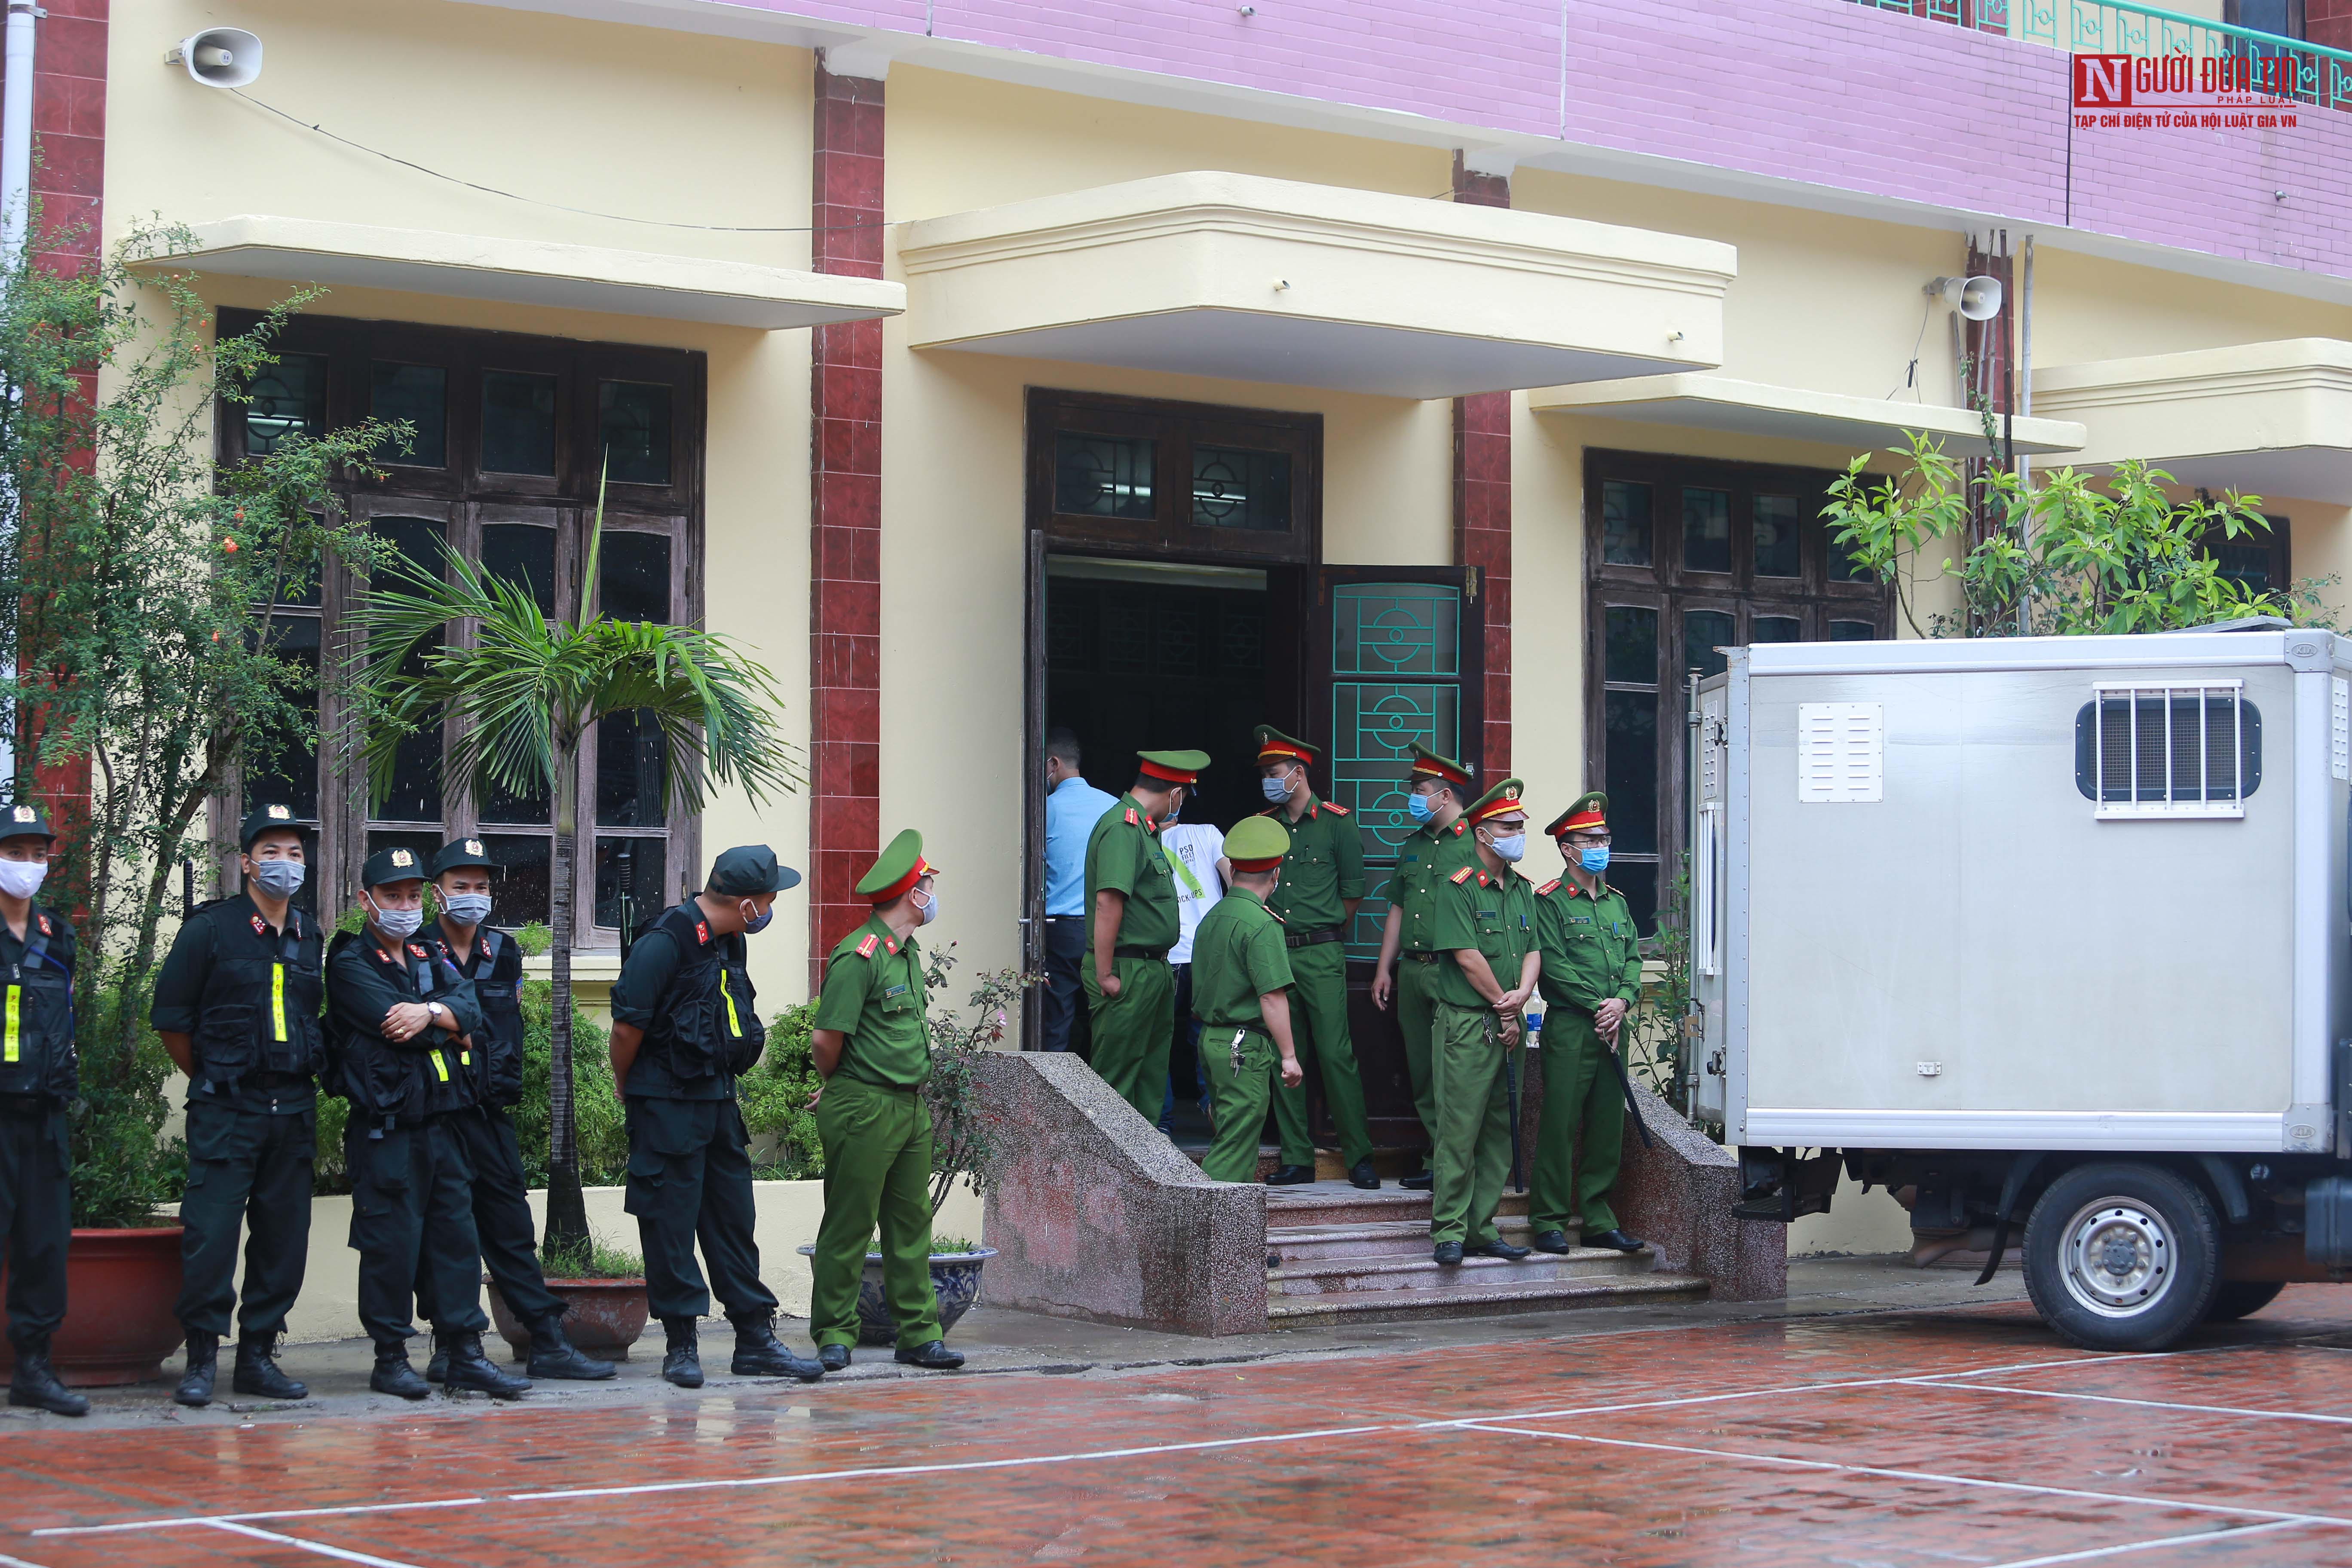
845,519
1481,514
2328,23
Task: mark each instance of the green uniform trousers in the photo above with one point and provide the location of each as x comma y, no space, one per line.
1416,1005
878,1168
1318,1031
1583,1130
1132,1029
1472,1158
1236,1099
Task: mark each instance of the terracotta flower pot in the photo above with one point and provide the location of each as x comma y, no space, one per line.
604,1318
121,1286
955,1279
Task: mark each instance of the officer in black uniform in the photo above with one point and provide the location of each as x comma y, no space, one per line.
685,1022
403,1023
237,1004
489,958
36,1084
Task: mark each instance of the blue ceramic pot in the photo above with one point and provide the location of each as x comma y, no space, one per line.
955,1278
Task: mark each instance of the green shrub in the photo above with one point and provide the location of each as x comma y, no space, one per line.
603,1140
125,1173
593,1260
774,1096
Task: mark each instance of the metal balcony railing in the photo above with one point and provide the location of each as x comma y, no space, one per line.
1983,15
2316,75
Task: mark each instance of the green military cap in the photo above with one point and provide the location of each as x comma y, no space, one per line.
1274,746
1503,800
749,869
1428,764
1172,767
463,852
1590,810
1257,844
900,866
396,865
261,820
24,822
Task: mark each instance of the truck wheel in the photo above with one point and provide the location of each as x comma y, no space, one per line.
2242,1298
2122,1257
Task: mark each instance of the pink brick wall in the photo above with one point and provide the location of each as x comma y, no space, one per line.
1821,92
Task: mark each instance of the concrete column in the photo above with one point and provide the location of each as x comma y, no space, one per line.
1482,516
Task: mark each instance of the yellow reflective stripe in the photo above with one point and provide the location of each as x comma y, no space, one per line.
734,1024
277,998
13,1050
440,1065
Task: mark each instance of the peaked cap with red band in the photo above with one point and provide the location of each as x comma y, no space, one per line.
1274,746
1590,810
900,866
1171,767
1428,764
1503,800
1257,844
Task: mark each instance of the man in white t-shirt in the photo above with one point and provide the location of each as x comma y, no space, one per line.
1196,858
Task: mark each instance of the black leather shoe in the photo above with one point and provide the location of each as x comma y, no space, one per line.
758,1353
195,1390
1291,1176
934,1356
393,1375
437,1365
470,1369
1419,1181
682,1361
1551,1241
1497,1247
553,1356
1616,1239
257,1371
1448,1253
35,1383
832,1358
1361,1175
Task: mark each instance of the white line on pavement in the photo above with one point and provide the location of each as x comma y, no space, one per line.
322,1548
2196,1538
2151,1403
274,1513
8,1562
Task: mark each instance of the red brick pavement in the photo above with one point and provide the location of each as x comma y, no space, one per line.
1964,1437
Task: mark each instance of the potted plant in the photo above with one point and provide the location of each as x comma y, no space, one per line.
963,1143
602,1290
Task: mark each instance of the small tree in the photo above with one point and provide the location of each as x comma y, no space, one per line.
2075,557
964,1137
525,692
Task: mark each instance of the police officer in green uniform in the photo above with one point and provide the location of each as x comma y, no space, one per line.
1322,883
1484,922
1591,977
1242,971
1437,789
237,1004
685,1023
1131,925
872,1043
38,1082
405,1026
463,937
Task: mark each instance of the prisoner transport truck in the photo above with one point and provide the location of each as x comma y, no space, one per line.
2050,937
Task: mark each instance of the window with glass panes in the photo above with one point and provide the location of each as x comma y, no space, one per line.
1684,559
510,434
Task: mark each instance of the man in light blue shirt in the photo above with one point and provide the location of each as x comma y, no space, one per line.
1073,806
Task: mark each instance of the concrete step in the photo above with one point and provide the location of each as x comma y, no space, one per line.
1330,1276
1293,1245
1326,1206
1483,1295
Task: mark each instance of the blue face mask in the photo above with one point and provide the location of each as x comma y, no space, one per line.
1417,807
1275,789
1593,860
758,922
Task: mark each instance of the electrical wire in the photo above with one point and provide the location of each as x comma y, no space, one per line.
1911,374
555,206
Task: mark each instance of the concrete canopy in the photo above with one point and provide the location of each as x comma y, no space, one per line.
1274,280
2264,419
533,272
1703,401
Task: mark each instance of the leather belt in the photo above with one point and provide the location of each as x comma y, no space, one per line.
1421,957
1139,952
1312,938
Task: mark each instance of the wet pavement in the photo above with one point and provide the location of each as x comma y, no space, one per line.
1879,1418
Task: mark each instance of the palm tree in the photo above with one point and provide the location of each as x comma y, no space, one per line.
525,692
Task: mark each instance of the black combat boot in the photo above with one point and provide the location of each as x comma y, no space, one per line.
393,1374
437,1367
832,1358
35,1383
682,1362
552,1355
257,1371
196,1389
758,1354
932,1356
469,1368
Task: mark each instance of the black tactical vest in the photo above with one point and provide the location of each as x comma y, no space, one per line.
37,1043
391,1085
259,1009
496,1056
705,1023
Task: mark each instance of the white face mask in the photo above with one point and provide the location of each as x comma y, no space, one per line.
1510,849
466,908
22,878
929,908
399,924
